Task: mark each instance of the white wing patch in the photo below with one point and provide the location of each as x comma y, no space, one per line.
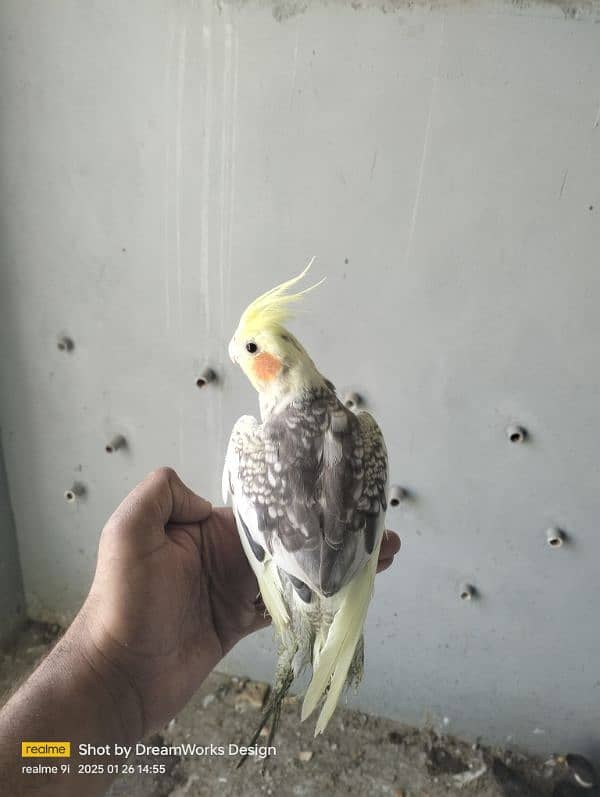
245,436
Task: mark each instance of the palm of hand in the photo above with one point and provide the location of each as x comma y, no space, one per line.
169,605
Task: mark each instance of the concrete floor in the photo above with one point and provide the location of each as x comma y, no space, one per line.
359,754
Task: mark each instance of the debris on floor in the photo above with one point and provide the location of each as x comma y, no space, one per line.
250,692
358,754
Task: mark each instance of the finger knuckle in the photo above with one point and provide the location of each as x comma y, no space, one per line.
162,475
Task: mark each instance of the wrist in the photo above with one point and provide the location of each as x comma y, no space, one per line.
115,695
73,695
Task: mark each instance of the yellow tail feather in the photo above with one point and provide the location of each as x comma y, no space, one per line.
332,664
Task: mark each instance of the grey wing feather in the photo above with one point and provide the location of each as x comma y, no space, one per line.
373,501
313,480
358,483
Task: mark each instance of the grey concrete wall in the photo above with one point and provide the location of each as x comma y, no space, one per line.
162,162
12,599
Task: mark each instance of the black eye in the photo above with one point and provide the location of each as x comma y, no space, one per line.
251,347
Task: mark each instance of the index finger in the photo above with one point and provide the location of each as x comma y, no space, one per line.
159,499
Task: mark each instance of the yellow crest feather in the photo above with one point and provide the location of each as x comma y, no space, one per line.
273,308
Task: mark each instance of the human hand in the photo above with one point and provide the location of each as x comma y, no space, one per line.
172,593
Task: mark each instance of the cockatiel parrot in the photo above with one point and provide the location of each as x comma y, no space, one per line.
308,489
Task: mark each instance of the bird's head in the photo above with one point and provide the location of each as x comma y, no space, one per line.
269,355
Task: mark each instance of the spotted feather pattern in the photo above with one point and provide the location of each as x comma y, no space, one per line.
315,476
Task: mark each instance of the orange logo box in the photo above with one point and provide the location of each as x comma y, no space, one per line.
45,749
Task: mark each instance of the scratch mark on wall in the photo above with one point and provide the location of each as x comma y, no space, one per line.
597,122
234,124
373,164
206,154
227,194
563,184
178,162
167,193
294,70
180,439
225,165
432,97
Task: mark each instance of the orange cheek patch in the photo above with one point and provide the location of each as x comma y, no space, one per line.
266,367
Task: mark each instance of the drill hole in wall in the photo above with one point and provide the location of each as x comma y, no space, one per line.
466,592
555,537
397,494
206,376
516,434
64,344
352,400
73,492
115,444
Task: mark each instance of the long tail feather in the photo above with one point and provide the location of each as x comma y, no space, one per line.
332,666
